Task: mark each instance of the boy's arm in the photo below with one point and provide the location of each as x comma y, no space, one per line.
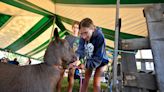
80,53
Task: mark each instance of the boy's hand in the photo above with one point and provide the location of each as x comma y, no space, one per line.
74,64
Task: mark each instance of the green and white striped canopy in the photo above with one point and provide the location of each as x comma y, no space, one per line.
26,25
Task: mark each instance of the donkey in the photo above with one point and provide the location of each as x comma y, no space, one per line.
41,77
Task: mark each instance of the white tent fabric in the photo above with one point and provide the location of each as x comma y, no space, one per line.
28,29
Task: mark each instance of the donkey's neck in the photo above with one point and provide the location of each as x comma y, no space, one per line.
50,59
50,69
52,62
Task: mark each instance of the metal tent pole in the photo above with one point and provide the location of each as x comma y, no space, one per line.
114,82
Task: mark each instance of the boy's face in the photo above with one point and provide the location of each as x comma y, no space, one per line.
75,29
86,33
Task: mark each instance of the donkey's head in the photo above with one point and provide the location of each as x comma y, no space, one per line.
59,52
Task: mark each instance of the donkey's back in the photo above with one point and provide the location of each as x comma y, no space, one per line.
30,78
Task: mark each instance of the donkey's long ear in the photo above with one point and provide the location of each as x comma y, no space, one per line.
56,34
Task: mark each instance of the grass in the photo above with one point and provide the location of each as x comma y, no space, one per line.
77,85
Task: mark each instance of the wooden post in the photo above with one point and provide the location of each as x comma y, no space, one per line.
155,23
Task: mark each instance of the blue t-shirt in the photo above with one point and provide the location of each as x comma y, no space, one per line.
94,50
73,41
